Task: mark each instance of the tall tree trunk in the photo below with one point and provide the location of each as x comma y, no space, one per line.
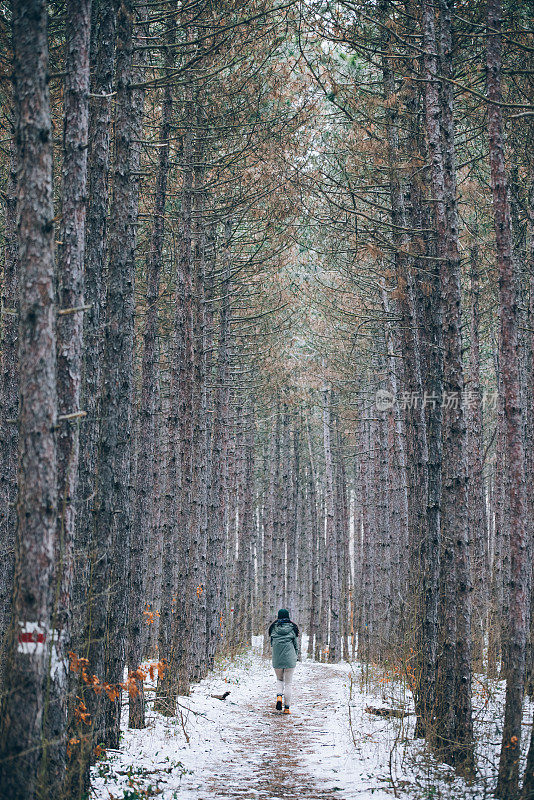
247,523
342,525
69,362
217,501
321,639
454,498
453,735
281,549
334,643
268,532
528,782
91,553
144,479
155,554
399,507
529,437
183,617
114,516
500,535
103,39
23,701
9,404
292,531
507,783
476,494
315,587
201,365
422,456
166,689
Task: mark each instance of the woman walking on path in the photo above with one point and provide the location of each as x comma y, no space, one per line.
283,635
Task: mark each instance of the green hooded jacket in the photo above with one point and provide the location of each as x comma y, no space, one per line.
283,635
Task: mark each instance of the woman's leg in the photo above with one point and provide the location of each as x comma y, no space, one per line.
279,681
288,685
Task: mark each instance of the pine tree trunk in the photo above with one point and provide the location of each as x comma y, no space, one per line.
202,468
278,574
183,621
23,700
501,536
454,731
399,516
342,525
365,633
114,513
218,496
507,783
268,532
144,478
165,701
421,455
71,255
315,568
103,40
292,531
476,495
248,526
155,567
381,593
529,439
9,403
321,639
91,553
334,644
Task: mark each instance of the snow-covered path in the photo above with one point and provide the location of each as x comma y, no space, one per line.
329,748
243,748
269,752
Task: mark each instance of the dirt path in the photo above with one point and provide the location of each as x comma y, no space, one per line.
268,746
243,748
329,748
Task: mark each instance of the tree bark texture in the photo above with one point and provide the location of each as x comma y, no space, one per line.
507,783
144,478
30,636
9,399
114,463
71,254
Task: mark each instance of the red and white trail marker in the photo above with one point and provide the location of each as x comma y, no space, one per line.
31,638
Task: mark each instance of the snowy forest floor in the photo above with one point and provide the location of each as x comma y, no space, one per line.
329,747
